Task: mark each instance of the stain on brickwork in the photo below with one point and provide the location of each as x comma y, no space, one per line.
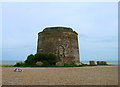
61,41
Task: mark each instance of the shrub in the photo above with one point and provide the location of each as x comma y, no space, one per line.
39,57
30,59
19,64
51,59
46,59
45,63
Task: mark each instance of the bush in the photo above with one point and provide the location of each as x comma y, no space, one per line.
45,63
19,64
51,59
46,59
30,59
39,56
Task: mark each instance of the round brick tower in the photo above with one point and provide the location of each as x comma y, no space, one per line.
61,41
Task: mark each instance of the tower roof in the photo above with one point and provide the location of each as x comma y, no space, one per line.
58,28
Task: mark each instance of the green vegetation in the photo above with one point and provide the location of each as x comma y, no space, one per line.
74,65
46,59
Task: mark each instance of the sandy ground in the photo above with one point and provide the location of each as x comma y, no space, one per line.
96,75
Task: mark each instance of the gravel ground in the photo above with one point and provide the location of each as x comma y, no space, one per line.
95,75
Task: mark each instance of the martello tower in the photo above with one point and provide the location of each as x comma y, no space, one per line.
61,41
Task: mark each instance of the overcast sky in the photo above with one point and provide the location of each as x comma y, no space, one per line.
96,24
